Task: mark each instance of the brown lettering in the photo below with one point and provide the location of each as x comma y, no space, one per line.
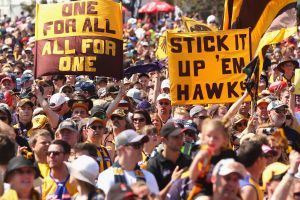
67,10
79,8
91,7
58,27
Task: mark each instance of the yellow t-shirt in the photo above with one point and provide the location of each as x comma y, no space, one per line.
44,169
62,190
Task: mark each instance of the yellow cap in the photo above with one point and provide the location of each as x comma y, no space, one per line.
272,170
39,121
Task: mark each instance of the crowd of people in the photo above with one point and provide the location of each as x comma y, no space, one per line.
90,137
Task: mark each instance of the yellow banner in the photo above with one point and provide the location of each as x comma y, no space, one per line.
192,25
206,67
79,18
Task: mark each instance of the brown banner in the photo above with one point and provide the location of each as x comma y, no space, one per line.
98,55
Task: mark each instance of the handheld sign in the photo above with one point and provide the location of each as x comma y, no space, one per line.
206,67
81,37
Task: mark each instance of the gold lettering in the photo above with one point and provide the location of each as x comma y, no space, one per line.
46,48
89,62
56,49
86,43
110,48
64,64
78,63
99,46
67,48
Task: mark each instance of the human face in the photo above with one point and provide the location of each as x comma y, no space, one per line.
262,111
4,117
213,138
134,151
288,68
277,116
157,123
244,109
6,85
41,146
144,81
228,186
25,113
240,126
296,191
164,107
79,112
139,121
56,156
174,143
285,97
222,111
95,133
22,179
27,84
199,118
69,136
119,123
18,72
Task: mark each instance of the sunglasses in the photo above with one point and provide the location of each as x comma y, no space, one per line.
241,124
288,117
96,127
55,153
116,118
278,111
24,171
139,119
164,103
67,91
136,145
201,117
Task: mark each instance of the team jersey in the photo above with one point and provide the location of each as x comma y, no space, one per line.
248,181
103,158
61,190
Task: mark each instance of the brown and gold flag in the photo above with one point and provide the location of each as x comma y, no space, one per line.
81,37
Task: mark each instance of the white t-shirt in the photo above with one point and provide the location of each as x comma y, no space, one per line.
106,179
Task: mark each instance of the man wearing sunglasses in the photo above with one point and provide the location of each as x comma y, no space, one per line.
163,106
129,145
277,115
57,184
94,131
198,115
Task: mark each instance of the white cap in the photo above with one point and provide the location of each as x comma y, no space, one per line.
211,18
163,96
135,94
145,44
227,166
132,21
84,168
28,71
57,100
165,84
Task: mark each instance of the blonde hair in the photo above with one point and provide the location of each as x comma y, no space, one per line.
217,125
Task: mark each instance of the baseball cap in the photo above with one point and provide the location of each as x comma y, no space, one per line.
98,111
65,87
57,99
67,124
274,169
135,94
95,119
4,47
268,150
84,168
195,110
144,105
120,191
130,136
263,100
7,78
112,89
165,84
170,129
17,163
24,101
227,166
276,104
118,112
163,96
88,86
39,121
26,77
190,125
